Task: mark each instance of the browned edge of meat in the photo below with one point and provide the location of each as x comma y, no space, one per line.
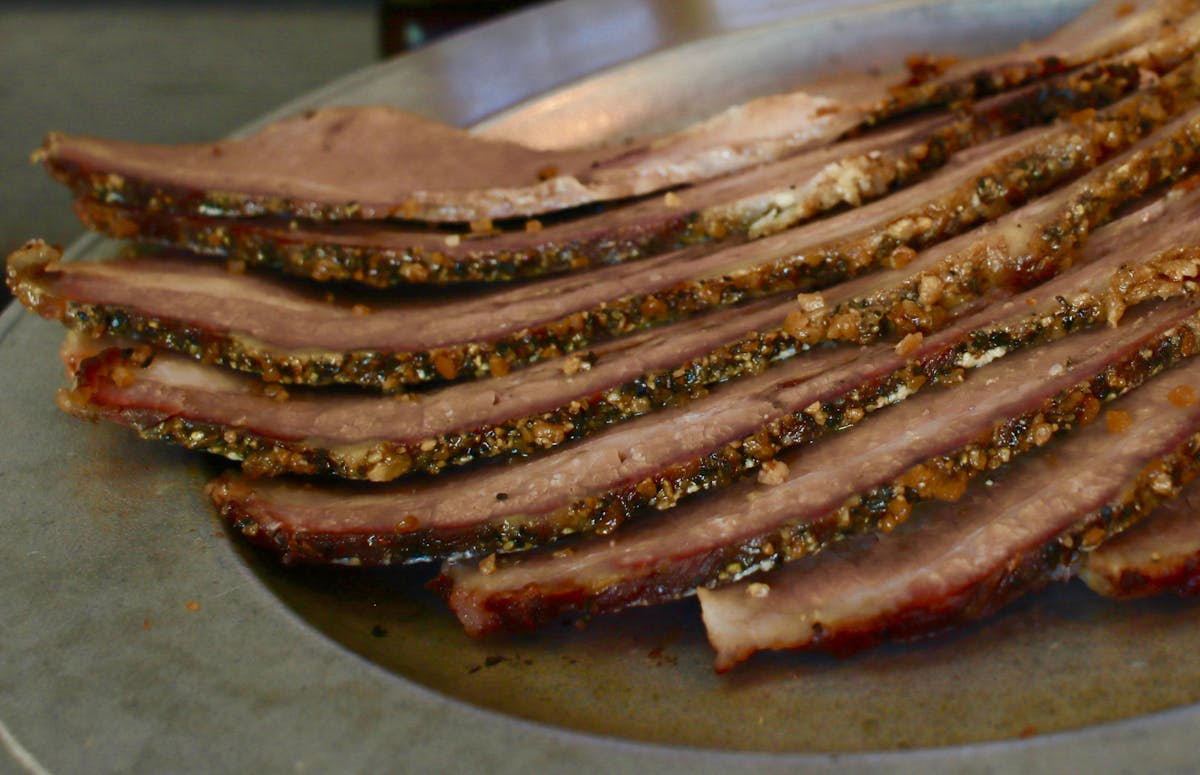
929,82
1158,556
524,606
320,252
22,269
1003,185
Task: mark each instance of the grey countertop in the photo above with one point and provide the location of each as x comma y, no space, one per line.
165,71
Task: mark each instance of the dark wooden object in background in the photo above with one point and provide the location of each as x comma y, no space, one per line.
408,24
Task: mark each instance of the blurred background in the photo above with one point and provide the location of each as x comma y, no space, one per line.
177,71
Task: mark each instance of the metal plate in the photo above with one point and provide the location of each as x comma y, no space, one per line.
137,636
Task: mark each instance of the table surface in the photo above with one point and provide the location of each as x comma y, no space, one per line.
190,80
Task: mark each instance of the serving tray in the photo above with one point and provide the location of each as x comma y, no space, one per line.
139,636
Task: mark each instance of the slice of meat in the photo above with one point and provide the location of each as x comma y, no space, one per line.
1159,555
844,484
286,334
1104,28
957,562
754,203
378,162
541,407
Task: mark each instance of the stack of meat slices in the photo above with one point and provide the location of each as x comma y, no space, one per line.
738,358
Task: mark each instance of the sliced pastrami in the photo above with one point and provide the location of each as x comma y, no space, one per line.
384,437
844,484
1153,252
378,162
753,203
383,255
1160,555
957,562
287,334
1017,250
587,487
594,486
1103,29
